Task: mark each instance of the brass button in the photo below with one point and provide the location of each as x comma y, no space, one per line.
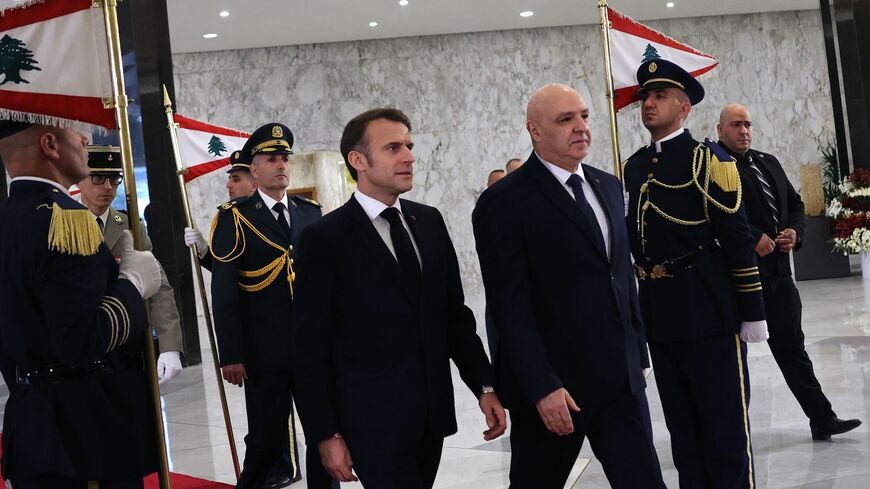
655,159
649,175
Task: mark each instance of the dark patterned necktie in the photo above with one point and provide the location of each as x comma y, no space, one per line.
576,184
766,189
282,221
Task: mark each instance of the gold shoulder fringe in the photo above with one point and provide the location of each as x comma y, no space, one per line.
724,174
73,231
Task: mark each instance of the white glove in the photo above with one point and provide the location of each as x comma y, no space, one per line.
192,237
168,366
754,331
139,267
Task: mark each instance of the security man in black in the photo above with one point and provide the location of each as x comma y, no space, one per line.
699,287
252,295
73,330
777,223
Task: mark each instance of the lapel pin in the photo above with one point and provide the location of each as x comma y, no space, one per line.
259,205
118,219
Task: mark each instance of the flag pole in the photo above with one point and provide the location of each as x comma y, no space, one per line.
120,102
608,84
180,171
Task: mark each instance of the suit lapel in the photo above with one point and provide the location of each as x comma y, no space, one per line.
372,241
263,219
116,223
559,197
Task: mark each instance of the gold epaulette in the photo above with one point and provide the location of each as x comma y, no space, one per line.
307,200
73,231
723,168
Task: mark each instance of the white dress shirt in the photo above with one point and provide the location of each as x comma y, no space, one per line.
658,144
270,202
562,176
373,209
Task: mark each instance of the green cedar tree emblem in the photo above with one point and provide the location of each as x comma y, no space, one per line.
216,147
650,53
15,58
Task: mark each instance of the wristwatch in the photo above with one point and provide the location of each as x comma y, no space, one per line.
487,389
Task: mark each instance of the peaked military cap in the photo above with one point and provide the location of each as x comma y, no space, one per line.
272,138
8,128
238,163
104,159
661,73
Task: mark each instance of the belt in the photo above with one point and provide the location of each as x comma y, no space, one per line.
671,266
60,372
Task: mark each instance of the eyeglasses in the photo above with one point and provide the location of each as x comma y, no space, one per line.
114,180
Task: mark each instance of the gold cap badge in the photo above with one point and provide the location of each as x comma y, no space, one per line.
109,158
653,67
277,132
236,155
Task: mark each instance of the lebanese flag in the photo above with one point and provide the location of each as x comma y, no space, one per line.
632,43
205,147
54,64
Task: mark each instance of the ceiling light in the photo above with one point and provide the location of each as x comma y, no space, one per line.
224,13
403,2
527,13
210,35
669,5
373,24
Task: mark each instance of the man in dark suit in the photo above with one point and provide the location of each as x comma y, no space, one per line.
381,314
253,295
73,330
571,349
776,220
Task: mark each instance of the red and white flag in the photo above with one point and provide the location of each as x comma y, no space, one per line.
632,43
206,147
54,64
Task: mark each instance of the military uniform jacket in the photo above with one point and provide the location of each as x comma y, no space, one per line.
679,202
251,285
64,305
164,312
789,203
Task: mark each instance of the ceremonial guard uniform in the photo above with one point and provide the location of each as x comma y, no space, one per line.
698,282
71,344
252,297
106,160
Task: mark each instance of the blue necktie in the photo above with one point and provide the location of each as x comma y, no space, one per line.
576,184
404,248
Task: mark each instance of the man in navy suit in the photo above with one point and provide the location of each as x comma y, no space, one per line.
381,314
569,360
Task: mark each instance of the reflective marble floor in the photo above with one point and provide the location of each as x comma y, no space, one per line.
837,327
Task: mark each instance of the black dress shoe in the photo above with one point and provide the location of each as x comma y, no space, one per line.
834,426
278,482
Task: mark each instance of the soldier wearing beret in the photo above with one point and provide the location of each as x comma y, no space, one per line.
700,291
98,191
252,292
72,336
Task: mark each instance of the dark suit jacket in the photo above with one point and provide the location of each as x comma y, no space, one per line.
791,209
372,361
566,316
254,327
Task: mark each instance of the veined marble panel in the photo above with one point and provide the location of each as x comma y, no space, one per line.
466,95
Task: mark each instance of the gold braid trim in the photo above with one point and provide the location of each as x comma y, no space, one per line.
704,152
73,231
273,269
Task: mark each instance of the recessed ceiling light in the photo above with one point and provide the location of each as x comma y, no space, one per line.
210,35
373,24
403,2
224,13
669,5
527,13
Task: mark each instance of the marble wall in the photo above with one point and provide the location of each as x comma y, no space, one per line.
466,97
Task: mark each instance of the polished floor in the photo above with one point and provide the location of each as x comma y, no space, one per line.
837,327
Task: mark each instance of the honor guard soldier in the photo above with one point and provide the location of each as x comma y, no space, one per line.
240,183
252,296
98,191
73,332
700,291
